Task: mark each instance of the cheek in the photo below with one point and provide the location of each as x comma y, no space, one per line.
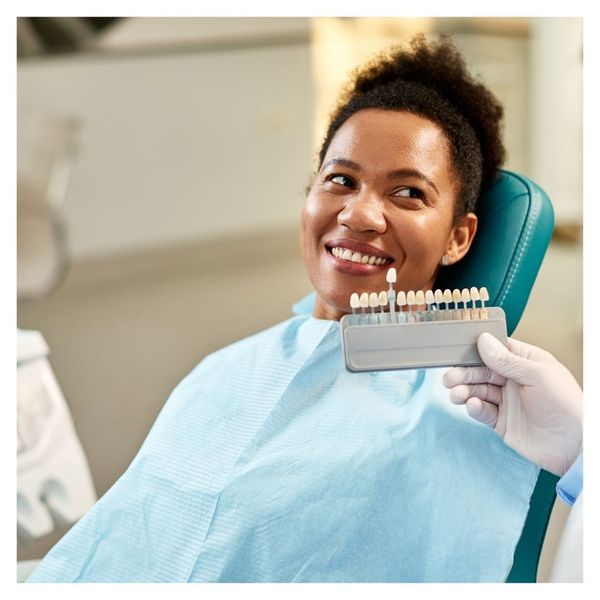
423,237
308,227
316,216
312,210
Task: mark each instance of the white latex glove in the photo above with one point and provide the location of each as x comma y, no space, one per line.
531,400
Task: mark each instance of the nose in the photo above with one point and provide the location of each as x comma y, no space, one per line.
363,213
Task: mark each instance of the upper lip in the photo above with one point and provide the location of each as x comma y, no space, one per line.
358,247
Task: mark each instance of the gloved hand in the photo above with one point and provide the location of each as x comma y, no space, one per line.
530,399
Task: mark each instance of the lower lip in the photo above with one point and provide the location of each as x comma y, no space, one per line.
353,268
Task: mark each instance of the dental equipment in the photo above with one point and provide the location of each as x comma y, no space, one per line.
390,277
54,484
354,304
422,335
373,304
383,302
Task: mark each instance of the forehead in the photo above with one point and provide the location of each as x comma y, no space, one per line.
390,140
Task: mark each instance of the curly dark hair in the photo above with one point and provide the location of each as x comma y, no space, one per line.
430,79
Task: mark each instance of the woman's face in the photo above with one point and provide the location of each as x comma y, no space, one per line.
384,197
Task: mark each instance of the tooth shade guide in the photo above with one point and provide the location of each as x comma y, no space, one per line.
390,277
447,297
429,297
364,301
483,296
373,299
413,342
465,296
456,297
418,306
420,298
401,299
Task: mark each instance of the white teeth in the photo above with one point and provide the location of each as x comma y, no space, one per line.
357,257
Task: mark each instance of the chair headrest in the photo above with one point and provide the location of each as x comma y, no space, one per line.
515,225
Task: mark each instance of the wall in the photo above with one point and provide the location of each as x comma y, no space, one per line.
178,147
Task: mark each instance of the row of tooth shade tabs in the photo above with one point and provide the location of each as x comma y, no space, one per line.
419,298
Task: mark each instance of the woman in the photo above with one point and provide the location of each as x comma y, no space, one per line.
272,462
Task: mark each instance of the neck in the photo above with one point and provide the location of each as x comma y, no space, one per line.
323,310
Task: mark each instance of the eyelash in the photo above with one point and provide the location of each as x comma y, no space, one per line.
420,195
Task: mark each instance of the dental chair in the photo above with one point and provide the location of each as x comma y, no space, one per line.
515,226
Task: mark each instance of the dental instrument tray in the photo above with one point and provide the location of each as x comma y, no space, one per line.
420,330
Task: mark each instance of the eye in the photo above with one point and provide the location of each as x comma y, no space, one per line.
340,179
409,192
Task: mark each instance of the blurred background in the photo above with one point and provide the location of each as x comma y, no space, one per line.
162,164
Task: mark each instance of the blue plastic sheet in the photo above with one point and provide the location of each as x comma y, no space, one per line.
272,462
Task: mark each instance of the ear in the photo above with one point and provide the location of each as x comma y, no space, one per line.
461,237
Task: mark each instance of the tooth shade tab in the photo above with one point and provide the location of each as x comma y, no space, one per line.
422,306
390,276
401,300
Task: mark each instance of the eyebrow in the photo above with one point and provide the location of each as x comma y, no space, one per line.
344,162
413,173
397,174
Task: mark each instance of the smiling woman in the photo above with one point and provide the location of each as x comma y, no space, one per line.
270,461
404,159
385,196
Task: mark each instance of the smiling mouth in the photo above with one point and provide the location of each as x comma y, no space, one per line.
358,257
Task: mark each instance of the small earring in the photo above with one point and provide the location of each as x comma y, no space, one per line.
445,260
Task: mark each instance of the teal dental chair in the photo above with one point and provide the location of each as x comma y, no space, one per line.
515,226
